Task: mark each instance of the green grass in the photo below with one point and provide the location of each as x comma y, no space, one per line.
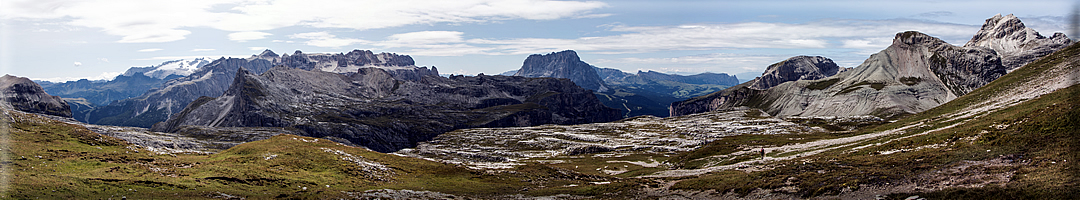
875,85
731,144
78,163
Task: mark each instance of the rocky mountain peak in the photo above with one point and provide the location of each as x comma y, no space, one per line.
796,68
268,53
1015,43
563,64
1001,32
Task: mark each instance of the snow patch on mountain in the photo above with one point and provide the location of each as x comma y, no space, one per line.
180,67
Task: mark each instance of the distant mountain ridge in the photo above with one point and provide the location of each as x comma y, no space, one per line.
89,94
371,108
644,93
214,79
159,103
618,77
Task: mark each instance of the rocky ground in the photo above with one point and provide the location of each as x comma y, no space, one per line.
507,147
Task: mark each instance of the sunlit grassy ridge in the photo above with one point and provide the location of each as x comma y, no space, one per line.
51,159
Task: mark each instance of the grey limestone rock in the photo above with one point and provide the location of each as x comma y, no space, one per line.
1015,43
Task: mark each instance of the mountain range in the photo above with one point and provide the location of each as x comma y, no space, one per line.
387,112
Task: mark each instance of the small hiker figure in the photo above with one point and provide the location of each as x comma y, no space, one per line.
763,153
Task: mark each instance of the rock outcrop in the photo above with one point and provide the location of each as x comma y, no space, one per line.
22,94
343,62
917,72
563,64
796,68
1015,43
373,109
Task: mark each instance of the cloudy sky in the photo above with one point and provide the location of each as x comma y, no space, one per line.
98,39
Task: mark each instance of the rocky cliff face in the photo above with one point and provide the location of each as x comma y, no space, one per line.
564,64
373,109
1015,43
917,72
796,68
343,62
22,94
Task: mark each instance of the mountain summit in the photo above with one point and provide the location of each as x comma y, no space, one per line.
1015,43
563,64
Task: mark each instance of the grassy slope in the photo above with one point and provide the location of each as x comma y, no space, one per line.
54,160
1041,140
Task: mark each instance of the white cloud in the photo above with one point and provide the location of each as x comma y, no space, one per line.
203,49
324,39
78,64
137,21
423,38
102,76
716,62
861,35
103,59
149,50
432,43
166,58
815,35
247,35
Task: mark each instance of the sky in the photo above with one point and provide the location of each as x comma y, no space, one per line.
63,40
